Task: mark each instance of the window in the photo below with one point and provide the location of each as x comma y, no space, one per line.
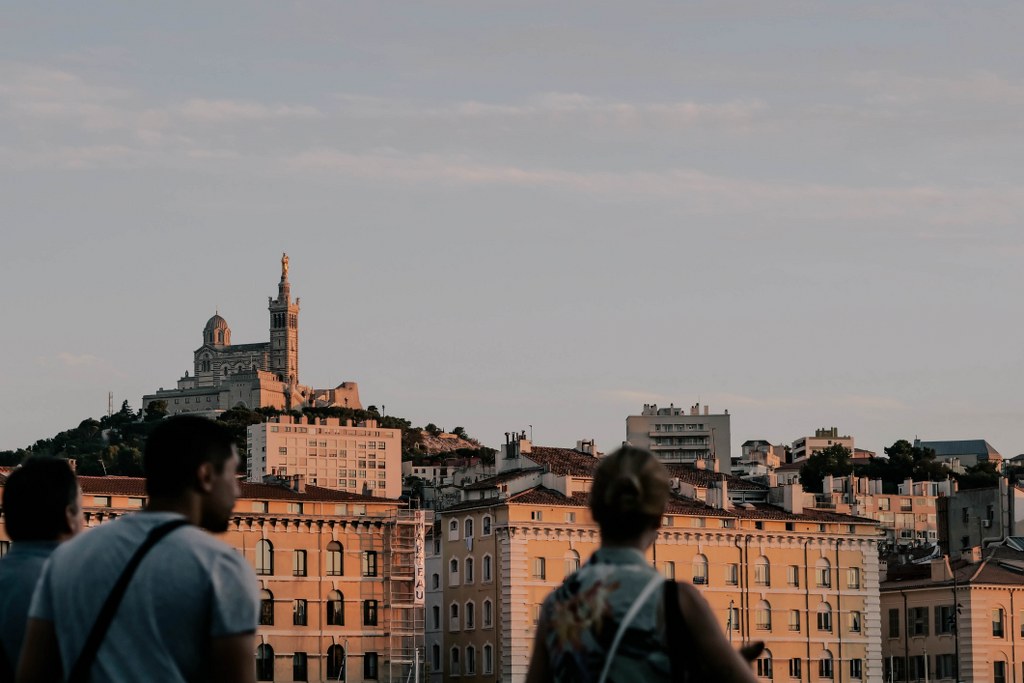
468,526
855,621
823,573
732,574
570,517
488,660
259,506
540,568
370,563
488,614
453,530
700,570
732,621
894,623
470,615
264,663
264,558
266,608
453,662
793,575
435,581
794,620
369,612
853,577
668,568
917,621
487,567
299,667
435,619
918,665
336,663
537,515
824,617
370,665
856,668
945,666
470,660
453,572
997,622
295,508
298,612
764,665
453,617
762,572
794,668
945,619
486,525
825,665
299,563
335,609
763,616
896,668
335,559
435,657
572,562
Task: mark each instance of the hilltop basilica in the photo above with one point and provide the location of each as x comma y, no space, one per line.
264,374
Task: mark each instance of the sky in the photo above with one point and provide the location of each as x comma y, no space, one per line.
525,215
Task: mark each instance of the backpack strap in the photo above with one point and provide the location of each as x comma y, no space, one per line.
651,586
80,671
676,634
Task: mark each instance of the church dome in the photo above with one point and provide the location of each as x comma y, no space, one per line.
217,331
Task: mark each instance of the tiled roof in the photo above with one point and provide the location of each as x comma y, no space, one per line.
790,466
136,486
563,461
704,478
679,505
1001,566
540,495
510,475
473,504
765,511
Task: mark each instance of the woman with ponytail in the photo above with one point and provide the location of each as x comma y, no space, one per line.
617,619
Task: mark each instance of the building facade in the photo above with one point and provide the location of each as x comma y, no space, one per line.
806,446
676,435
340,575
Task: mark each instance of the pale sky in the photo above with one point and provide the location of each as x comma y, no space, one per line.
511,214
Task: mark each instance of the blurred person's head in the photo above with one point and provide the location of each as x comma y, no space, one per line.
190,463
628,496
42,501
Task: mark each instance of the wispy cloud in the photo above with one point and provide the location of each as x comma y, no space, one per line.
227,111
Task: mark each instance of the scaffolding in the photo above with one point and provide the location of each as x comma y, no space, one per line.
404,594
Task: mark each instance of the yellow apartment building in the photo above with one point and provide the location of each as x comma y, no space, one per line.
957,620
341,597
803,580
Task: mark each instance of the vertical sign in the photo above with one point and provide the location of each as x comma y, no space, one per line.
420,586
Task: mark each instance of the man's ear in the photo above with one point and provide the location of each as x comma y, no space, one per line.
204,477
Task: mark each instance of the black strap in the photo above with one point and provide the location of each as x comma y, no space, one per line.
80,671
676,633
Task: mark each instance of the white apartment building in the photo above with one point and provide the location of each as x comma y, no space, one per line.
676,435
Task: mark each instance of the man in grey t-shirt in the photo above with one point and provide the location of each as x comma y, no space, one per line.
190,611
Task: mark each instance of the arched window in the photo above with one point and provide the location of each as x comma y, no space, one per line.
436,616
453,617
540,568
486,524
435,657
470,660
335,609
336,663
468,527
763,616
764,665
264,663
266,608
572,562
823,573
468,573
453,530
668,568
700,570
488,614
264,557
487,568
825,665
824,617
435,580
470,615
997,623
488,659
762,572
454,668
335,559
453,572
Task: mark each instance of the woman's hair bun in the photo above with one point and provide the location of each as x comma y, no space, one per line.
629,492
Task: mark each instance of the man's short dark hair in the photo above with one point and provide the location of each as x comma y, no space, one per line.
36,498
177,447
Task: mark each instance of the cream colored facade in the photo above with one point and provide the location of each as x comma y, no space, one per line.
964,617
806,446
676,435
337,571
363,458
505,549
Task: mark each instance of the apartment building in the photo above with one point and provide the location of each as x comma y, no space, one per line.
956,620
806,446
341,576
682,436
981,517
803,580
359,458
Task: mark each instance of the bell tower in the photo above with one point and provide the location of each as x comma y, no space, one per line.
284,331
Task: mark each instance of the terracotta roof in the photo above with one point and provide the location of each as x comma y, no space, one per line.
136,486
789,466
563,461
679,505
766,511
704,478
1000,566
491,482
473,504
540,495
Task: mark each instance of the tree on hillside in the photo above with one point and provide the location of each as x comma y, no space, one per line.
981,476
156,410
460,432
432,429
834,460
